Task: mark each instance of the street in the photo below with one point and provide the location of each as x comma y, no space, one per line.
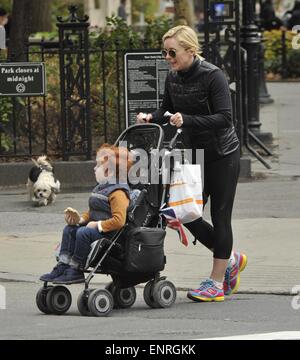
240,315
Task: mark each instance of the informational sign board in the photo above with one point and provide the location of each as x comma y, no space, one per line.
145,75
22,79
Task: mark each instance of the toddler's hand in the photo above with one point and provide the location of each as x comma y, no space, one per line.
72,216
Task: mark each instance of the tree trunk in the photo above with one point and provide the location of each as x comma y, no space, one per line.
28,16
41,16
19,31
182,13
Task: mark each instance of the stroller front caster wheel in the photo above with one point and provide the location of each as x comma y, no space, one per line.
164,293
82,302
41,299
100,302
148,295
59,300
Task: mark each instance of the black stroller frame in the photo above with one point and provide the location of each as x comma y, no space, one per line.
120,293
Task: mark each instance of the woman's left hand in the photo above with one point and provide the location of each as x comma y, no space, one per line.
176,120
92,224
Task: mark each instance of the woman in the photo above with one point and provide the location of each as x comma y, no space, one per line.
198,96
107,212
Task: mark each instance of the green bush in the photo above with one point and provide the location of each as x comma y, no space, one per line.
5,111
273,54
294,63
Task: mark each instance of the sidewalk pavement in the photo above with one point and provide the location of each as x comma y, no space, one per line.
273,267
266,219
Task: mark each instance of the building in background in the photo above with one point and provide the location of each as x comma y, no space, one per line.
166,7
98,10
137,10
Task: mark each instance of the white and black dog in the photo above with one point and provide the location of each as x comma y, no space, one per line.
42,185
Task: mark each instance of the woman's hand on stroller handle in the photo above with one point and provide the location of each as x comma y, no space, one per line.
142,118
176,120
173,119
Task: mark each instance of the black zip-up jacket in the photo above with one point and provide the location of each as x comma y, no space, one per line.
201,94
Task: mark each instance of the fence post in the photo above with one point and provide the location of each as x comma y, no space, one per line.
264,96
251,43
283,55
75,85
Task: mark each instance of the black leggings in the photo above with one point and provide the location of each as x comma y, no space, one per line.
220,181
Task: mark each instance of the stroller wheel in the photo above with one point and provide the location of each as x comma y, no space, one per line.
41,299
82,302
59,300
164,293
100,302
148,297
124,298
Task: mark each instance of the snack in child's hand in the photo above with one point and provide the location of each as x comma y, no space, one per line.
73,214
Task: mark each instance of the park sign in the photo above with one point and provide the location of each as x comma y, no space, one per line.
22,79
145,75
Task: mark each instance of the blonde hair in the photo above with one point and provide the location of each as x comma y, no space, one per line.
186,37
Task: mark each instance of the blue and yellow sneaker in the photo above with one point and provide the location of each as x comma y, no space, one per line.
232,274
207,292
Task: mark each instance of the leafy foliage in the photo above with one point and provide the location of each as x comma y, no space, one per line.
5,111
148,7
273,54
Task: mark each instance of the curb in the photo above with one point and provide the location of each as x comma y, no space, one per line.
69,173
31,279
73,174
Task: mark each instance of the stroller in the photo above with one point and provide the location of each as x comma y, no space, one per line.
135,254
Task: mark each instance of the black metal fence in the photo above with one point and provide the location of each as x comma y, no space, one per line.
34,125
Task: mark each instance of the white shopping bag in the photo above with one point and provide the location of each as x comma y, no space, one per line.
186,192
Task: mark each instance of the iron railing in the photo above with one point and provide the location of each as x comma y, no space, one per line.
34,125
